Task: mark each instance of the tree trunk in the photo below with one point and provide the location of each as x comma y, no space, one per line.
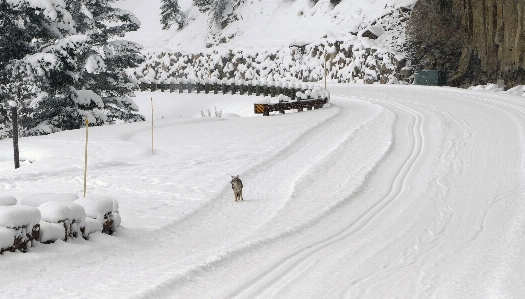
15,137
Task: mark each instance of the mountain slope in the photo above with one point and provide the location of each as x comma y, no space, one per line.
258,24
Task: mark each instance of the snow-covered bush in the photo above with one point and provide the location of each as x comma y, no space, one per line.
70,215
50,232
7,200
23,221
7,239
103,209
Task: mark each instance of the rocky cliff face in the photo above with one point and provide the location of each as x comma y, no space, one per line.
495,40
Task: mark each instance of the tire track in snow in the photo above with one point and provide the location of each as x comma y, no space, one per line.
467,224
292,266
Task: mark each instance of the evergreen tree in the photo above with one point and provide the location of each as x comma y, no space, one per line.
63,68
203,5
171,14
216,8
37,43
102,67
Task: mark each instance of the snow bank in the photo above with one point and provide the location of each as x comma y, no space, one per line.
19,215
36,200
50,232
489,87
518,90
7,238
7,200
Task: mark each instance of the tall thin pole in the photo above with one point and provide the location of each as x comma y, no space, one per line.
86,157
14,118
152,126
325,70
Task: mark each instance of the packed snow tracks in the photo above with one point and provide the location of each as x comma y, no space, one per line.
395,195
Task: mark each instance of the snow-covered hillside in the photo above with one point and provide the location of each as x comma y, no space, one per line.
258,24
392,191
278,40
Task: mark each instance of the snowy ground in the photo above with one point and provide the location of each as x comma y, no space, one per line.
391,192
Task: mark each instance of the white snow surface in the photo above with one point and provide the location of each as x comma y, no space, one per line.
37,199
391,192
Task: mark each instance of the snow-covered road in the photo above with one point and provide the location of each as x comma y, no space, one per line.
392,192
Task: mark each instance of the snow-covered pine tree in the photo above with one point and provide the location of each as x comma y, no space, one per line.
217,9
63,68
171,14
101,71
203,5
37,57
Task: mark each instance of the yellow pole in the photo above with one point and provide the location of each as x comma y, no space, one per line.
86,157
152,125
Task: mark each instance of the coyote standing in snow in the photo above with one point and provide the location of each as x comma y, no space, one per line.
237,187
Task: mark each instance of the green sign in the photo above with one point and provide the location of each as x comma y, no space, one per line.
430,77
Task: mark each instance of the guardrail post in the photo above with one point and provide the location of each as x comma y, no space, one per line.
242,87
172,85
265,89
190,85
249,87
207,87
